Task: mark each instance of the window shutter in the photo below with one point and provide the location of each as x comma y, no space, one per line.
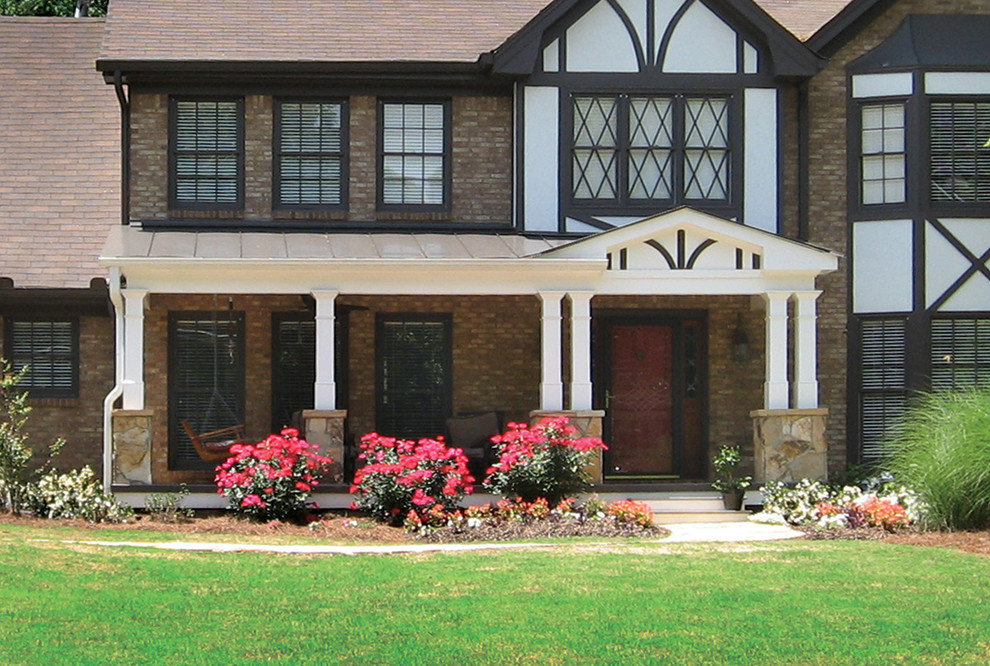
882,385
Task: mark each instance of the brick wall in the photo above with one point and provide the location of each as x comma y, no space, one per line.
79,421
481,163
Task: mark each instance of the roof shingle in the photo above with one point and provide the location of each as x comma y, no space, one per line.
59,152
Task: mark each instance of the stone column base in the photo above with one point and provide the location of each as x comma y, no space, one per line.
132,447
790,444
588,423
325,428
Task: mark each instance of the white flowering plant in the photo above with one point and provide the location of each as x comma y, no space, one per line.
75,494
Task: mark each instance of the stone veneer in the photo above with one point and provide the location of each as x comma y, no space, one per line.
789,444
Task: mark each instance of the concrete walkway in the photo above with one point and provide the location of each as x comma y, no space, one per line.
682,533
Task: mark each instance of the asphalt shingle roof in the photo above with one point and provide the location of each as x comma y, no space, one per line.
59,152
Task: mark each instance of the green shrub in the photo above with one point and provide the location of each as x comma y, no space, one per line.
943,453
167,507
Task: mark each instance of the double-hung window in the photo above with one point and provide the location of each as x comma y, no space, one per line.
882,154
414,155
639,149
960,151
310,155
206,154
49,349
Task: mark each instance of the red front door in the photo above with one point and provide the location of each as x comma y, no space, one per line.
640,401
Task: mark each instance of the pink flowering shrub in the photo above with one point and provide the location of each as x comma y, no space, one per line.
545,461
630,511
876,511
402,476
273,479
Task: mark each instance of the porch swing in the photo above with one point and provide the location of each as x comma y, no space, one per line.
214,445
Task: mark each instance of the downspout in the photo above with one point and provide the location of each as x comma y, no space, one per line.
804,160
118,389
125,147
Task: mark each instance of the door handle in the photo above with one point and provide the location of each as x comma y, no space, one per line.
608,399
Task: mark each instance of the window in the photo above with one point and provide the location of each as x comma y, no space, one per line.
50,351
638,149
207,153
960,354
206,379
960,151
310,167
414,164
414,375
882,394
882,154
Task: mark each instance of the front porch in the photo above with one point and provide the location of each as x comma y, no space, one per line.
517,328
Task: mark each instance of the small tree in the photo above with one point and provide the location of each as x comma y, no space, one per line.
14,451
15,454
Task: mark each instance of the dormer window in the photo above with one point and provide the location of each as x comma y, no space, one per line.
206,154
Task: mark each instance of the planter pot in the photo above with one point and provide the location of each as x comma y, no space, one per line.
732,499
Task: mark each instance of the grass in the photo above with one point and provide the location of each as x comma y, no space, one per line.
943,453
781,602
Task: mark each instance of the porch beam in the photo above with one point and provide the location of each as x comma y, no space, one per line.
325,388
805,349
551,385
580,393
132,382
776,388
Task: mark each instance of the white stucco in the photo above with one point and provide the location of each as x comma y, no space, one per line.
600,42
957,83
883,85
700,26
882,266
540,157
760,186
944,265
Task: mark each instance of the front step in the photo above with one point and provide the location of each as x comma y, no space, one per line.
672,508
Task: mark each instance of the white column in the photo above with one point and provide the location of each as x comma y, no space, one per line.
551,386
133,378
325,389
580,350
776,388
805,350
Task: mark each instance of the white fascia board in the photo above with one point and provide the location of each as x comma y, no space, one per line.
359,276
703,283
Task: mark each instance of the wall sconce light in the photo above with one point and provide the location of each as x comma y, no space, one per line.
740,342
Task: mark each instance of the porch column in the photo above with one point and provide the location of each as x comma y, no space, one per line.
805,350
551,386
132,382
580,350
776,388
325,389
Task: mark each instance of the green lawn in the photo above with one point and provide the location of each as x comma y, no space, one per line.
780,602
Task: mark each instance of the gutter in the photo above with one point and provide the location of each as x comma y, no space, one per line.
125,147
118,389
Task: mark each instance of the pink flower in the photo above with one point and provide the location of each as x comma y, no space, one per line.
305,487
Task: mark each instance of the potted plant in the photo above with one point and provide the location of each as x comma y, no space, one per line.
733,487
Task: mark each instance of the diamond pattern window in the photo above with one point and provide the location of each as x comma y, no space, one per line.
633,149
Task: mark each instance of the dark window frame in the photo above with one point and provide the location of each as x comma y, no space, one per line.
176,433
173,155
18,361
343,154
383,318
912,146
623,204
975,205
446,154
978,367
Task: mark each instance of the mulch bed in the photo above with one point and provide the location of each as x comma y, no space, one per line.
974,541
